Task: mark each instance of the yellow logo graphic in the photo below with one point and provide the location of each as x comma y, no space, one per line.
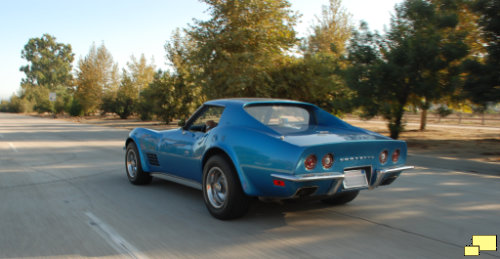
481,243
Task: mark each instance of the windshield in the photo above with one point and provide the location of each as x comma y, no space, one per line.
282,118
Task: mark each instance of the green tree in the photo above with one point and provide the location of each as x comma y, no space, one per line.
49,63
363,73
482,84
126,97
418,59
97,74
425,35
168,97
185,76
316,76
15,104
313,78
48,70
238,47
331,32
142,73
124,100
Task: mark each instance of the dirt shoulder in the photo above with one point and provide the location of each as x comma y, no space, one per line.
448,141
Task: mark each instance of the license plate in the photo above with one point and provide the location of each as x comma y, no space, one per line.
355,179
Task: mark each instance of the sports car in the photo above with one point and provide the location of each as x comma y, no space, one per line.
238,149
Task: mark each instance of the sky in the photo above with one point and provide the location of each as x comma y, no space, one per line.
130,27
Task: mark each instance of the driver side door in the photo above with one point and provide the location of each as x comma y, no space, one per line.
183,152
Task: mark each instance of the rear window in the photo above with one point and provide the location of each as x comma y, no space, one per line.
282,118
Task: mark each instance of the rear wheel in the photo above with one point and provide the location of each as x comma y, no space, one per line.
133,166
222,190
341,198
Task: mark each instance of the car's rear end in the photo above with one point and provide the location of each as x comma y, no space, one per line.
336,157
327,169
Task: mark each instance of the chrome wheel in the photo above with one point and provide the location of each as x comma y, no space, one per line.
222,190
216,187
132,163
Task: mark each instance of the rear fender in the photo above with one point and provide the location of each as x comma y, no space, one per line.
246,185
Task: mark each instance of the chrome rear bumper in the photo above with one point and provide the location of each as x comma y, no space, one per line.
383,172
394,170
338,176
335,175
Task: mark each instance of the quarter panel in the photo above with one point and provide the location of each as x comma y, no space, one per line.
256,155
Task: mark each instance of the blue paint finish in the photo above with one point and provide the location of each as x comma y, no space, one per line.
141,140
257,150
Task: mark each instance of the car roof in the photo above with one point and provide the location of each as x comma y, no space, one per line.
247,101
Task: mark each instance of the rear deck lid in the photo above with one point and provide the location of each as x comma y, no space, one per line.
318,135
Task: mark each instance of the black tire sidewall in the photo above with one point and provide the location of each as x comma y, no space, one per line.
217,162
235,204
141,177
131,146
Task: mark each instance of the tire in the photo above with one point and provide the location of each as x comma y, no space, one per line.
222,190
133,166
341,198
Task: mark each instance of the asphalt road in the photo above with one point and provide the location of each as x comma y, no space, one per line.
64,193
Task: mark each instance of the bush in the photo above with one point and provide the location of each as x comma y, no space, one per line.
144,108
146,105
443,111
4,106
75,109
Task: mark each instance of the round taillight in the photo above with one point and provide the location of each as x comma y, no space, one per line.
327,161
395,155
383,156
310,162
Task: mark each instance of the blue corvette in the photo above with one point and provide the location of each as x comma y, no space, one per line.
235,149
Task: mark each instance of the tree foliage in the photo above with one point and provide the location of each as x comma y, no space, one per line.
49,63
97,74
167,97
126,97
48,70
331,32
141,73
316,76
249,48
236,50
418,59
483,82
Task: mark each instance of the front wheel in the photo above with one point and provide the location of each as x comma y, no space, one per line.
133,166
222,190
341,198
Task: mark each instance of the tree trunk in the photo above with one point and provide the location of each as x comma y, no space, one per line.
395,124
394,131
423,119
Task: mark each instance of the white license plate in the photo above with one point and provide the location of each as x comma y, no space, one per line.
355,179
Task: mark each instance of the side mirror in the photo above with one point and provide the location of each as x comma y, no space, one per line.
181,123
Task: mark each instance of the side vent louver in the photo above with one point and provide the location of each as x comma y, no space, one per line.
153,159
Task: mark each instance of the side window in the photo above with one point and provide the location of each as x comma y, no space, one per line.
208,119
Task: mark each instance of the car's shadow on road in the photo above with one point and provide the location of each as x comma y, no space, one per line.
260,210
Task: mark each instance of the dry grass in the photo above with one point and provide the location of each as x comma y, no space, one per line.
477,143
